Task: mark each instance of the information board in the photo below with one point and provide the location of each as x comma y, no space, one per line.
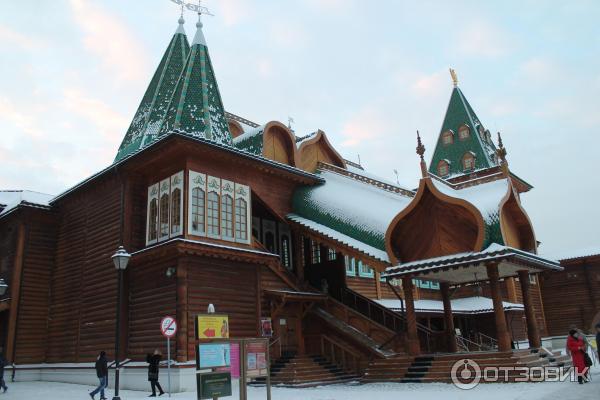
213,384
213,355
212,326
256,358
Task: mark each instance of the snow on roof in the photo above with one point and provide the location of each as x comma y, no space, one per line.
251,132
300,140
375,177
356,209
340,237
465,305
11,199
493,251
486,197
573,254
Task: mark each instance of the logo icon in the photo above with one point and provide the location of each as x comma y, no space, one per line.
466,374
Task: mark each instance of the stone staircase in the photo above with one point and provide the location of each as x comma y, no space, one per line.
306,371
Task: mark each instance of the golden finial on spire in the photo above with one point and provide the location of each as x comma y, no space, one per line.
454,77
501,154
421,152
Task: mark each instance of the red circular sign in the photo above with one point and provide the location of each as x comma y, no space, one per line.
168,326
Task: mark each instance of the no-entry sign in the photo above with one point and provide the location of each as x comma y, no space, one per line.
168,327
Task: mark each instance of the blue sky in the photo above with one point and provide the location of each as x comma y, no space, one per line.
367,73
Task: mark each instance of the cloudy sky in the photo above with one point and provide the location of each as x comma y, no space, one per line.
367,73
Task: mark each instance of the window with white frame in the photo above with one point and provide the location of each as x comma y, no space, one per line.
350,266
218,208
152,221
164,205
364,270
331,254
227,210
315,252
165,209
177,204
532,279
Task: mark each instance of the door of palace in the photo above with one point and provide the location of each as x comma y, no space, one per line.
289,338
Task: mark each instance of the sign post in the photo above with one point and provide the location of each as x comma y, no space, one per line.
168,327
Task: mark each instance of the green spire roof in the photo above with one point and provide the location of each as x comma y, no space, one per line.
152,110
478,142
196,108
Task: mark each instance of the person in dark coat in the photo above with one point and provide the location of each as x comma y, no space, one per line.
102,374
153,361
576,347
2,364
598,340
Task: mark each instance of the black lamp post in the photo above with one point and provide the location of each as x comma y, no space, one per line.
120,259
3,287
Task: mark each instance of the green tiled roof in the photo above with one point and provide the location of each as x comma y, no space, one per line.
479,143
356,209
251,141
153,107
196,108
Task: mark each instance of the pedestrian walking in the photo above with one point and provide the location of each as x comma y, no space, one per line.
2,364
153,361
576,346
598,341
102,374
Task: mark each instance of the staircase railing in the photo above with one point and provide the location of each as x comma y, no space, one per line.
468,345
486,341
339,354
372,310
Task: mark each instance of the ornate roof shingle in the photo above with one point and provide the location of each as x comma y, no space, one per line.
153,107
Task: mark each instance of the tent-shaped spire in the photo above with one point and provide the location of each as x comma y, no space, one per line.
196,108
152,110
462,138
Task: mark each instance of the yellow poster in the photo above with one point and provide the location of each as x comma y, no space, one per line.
212,326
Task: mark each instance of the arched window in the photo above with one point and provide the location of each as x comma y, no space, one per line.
468,161
227,216
164,215
270,241
176,211
447,138
443,168
241,219
463,132
153,220
198,201
212,213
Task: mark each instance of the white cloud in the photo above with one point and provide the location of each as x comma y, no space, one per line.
434,84
234,12
10,37
288,34
367,124
482,38
111,40
106,120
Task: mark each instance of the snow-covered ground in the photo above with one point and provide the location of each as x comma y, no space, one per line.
383,391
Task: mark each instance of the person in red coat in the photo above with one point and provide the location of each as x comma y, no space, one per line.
576,347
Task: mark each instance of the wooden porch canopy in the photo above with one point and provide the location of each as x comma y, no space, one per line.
472,266
490,265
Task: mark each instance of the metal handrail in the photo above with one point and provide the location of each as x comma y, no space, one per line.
463,343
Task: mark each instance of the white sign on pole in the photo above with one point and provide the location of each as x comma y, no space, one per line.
168,327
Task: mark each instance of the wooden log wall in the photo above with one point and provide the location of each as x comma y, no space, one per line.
364,286
152,296
231,287
84,283
572,297
34,302
8,239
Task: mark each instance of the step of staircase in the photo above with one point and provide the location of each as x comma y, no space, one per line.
305,371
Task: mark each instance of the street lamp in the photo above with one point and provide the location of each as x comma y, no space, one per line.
120,259
3,287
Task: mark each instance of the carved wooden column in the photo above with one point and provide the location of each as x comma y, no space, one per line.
298,255
299,332
412,337
501,330
533,333
448,318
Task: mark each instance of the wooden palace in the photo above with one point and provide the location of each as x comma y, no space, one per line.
360,276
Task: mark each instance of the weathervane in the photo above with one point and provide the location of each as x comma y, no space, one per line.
454,77
199,8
